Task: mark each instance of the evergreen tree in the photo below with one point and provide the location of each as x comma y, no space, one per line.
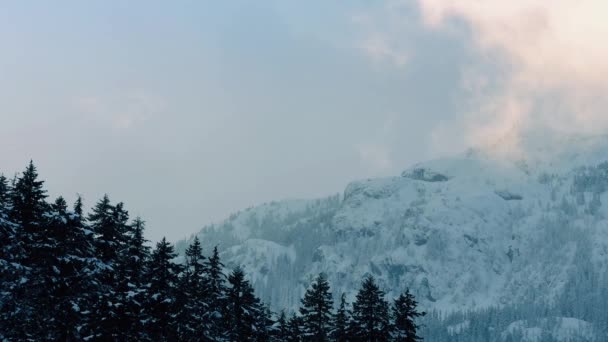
370,321
295,329
405,313
66,273
215,296
133,285
28,202
191,298
8,233
108,224
264,327
108,234
51,274
316,310
136,252
163,278
281,331
28,209
80,267
12,255
341,322
242,308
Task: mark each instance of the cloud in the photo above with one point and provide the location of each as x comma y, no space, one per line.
375,156
380,50
553,63
120,112
375,153
380,41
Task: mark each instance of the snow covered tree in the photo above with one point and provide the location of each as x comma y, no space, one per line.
370,321
316,310
341,322
58,319
80,267
405,312
281,331
242,308
108,224
191,296
28,202
294,327
28,209
215,296
12,255
108,234
8,233
133,283
163,278
264,324
66,273
136,253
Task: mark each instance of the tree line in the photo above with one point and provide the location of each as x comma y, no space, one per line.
68,276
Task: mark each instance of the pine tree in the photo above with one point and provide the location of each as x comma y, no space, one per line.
133,284
28,210
51,274
191,298
163,278
370,321
12,255
136,252
242,308
108,224
108,235
215,296
8,232
281,331
66,273
341,322
263,323
81,267
404,315
28,202
295,329
316,310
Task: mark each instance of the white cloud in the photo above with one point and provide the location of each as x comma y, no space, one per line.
120,112
380,50
380,40
375,153
375,156
556,62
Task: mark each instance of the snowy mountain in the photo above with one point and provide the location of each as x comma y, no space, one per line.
557,328
493,227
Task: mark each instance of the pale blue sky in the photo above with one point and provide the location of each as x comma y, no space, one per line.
190,110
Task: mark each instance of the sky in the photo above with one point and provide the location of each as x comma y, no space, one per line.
188,111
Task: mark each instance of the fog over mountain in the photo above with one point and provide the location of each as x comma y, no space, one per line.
471,232
456,149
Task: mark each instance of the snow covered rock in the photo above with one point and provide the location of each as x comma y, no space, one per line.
560,329
463,233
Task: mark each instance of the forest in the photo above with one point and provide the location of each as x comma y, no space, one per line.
70,276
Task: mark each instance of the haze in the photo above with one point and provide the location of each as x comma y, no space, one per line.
188,111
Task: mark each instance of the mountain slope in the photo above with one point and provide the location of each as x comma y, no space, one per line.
487,228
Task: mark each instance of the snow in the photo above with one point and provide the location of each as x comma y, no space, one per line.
485,228
458,328
560,328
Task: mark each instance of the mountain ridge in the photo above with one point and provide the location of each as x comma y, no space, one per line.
467,232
